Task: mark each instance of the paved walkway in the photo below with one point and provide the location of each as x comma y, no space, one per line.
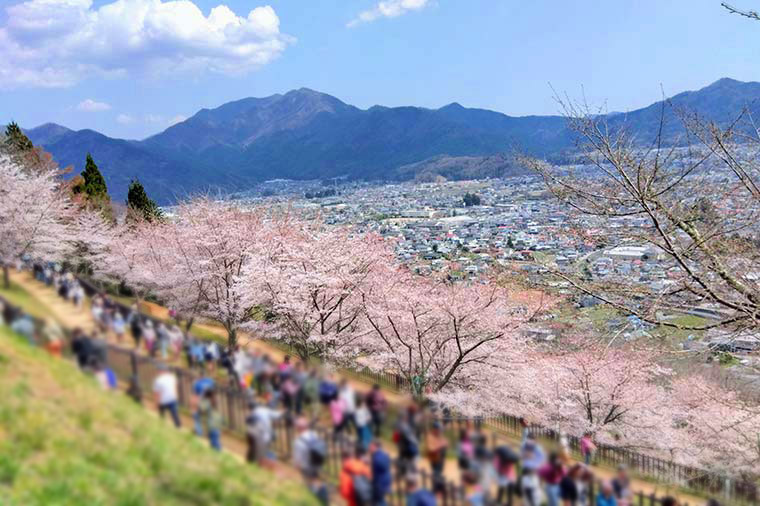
70,317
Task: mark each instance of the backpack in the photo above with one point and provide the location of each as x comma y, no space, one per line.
317,452
362,490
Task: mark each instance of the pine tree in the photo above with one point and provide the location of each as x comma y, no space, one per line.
94,184
16,139
139,202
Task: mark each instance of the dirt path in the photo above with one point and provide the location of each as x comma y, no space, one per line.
70,317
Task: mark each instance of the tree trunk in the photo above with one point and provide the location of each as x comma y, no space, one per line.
231,338
189,324
6,277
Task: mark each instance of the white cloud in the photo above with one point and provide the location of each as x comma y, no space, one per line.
388,9
90,105
124,119
56,43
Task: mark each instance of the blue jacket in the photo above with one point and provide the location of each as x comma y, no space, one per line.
606,501
381,474
421,498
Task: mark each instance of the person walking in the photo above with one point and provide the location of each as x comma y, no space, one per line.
355,479
531,454
165,390
405,437
210,411
505,463
309,450
162,333
606,496
328,390
552,473
135,325
473,490
363,423
531,487
53,335
310,393
465,450
569,489
119,326
378,405
588,448
435,448
200,387
337,412
381,473
264,417
149,337
176,341
416,495
348,396
621,485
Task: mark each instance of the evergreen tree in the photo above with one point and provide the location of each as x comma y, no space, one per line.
139,202
93,184
17,139
471,199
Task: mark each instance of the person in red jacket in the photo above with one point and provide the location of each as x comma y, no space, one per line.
354,470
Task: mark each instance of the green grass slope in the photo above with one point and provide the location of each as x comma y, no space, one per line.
63,441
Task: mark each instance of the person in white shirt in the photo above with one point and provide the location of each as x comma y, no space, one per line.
348,396
260,426
165,388
363,419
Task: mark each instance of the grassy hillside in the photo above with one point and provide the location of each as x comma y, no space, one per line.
63,441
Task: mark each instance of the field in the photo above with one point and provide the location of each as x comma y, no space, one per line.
66,442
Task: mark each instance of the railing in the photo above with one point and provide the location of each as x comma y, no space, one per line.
699,480
233,406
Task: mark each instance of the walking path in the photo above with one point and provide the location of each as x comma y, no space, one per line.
70,317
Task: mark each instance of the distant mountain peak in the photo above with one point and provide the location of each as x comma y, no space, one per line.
452,107
47,133
307,134
725,81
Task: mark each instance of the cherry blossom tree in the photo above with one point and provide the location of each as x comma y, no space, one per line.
313,287
34,212
444,338
197,258
723,426
618,393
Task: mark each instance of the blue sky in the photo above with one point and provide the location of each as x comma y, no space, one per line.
128,68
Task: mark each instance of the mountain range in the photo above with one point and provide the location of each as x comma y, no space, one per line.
304,134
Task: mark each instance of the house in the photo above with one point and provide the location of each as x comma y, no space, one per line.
741,341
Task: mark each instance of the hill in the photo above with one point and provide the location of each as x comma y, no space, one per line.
305,134
66,442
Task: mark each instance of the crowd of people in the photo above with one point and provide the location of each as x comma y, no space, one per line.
433,456
417,444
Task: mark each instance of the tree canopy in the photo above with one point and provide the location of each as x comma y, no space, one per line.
139,202
471,199
16,139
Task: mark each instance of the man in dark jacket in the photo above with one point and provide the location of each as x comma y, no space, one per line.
381,474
